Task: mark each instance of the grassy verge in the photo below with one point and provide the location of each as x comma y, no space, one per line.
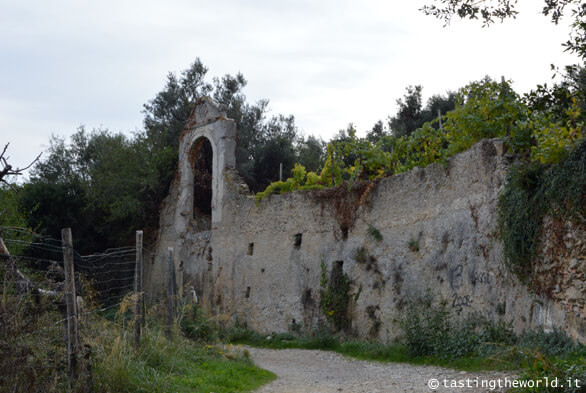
391,353
477,345
164,365
532,356
34,356
431,337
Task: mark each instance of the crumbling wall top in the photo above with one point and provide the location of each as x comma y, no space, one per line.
206,110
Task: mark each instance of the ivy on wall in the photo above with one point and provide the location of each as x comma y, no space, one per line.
533,191
335,296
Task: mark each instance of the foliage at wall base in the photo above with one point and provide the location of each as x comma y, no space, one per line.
335,296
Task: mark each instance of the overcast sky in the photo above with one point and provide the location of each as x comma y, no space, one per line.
66,63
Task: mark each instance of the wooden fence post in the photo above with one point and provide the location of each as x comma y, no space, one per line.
138,291
170,292
73,345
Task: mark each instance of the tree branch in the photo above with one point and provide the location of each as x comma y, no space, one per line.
7,168
23,284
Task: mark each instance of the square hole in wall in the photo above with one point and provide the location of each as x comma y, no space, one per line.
298,237
250,249
247,292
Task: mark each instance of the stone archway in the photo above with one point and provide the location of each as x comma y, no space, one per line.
201,158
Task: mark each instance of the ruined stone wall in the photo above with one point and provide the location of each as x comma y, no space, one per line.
559,273
261,263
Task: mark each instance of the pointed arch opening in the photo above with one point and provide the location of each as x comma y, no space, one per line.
202,161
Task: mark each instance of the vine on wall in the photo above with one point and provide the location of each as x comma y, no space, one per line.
335,296
534,191
484,109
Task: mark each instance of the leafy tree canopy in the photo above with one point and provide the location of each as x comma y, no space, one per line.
263,143
490,10
412,115
483,109
105,185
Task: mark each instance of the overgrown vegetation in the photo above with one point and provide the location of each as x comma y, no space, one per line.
335,296
413,243
112,184
534,191
163,365
429,331
431,336
373,233
483,109
34,354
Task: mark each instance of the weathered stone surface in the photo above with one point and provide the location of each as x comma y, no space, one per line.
261,262
500,146
562,249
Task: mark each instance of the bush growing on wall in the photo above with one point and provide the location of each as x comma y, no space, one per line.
484,109
335,296
533,191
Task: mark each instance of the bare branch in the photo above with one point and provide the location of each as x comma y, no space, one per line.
21,229
4,151
23,284
31,164
7,168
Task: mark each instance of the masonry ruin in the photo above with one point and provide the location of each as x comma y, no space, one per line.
261,263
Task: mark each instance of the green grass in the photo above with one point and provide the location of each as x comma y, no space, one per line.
388,353
499,357
35,357
397,353
177,365
475,344
218,375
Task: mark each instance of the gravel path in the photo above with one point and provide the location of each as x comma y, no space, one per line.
308,371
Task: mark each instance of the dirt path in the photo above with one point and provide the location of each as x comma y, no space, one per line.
307,371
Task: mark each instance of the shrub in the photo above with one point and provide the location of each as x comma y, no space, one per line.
335,296
360,255
413,244
197,326
34,356
425,326
566,371
555,138
373,233
533,191
554,343
429,330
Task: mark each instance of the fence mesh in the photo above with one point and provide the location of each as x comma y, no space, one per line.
33,321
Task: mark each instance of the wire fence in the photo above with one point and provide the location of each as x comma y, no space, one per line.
109,274
38,304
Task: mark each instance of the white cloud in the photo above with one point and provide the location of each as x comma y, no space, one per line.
67,63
